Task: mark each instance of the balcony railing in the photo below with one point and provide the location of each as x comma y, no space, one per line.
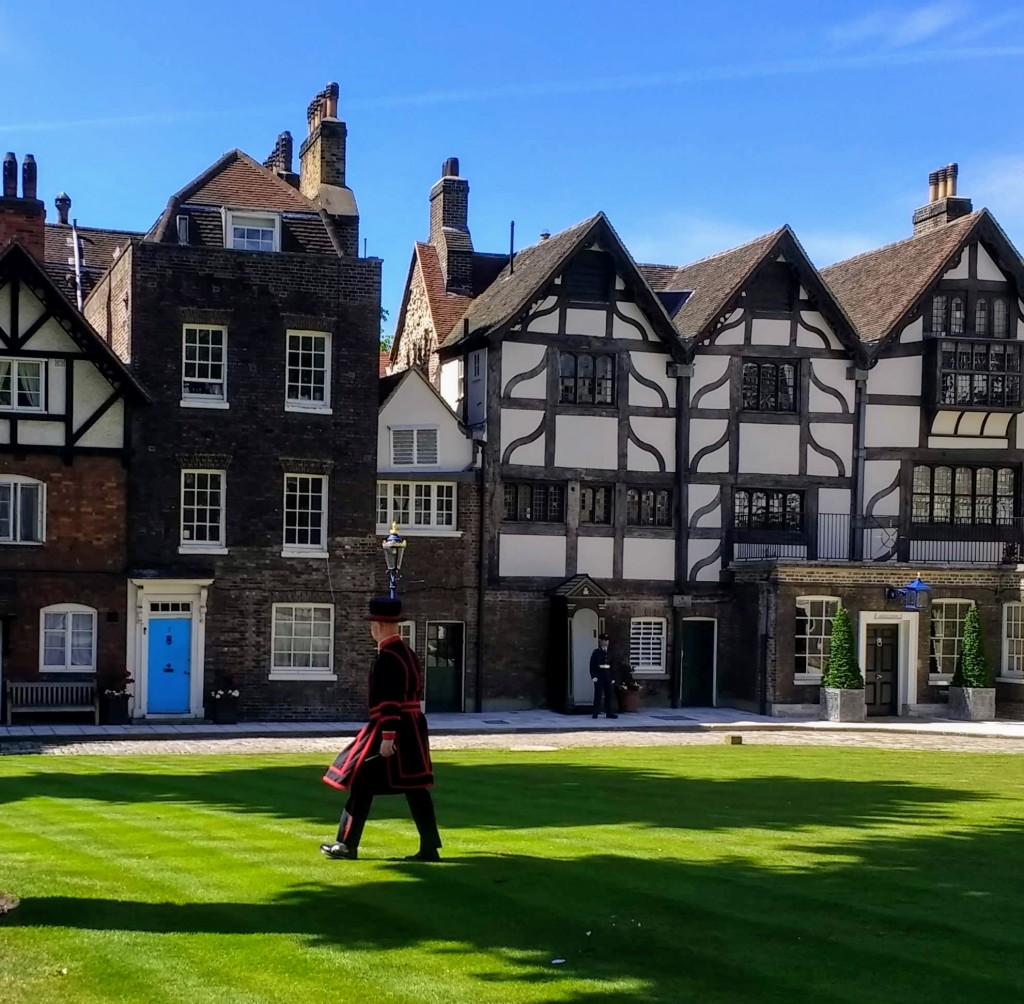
834,537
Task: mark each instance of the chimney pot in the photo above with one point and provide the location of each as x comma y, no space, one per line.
450,168
28,177
933,186
944,205
951,173
10,176
63,204
331,94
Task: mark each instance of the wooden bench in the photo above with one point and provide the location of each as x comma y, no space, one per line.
38,697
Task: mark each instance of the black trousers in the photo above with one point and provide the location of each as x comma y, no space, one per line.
603,689
357,811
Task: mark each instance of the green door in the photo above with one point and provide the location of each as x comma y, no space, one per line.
697,682
443,666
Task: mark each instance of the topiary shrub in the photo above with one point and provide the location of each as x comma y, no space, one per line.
842,672
972,669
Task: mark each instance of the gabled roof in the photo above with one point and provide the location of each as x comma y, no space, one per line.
880,287
388,386
520,284
15,260
238,180
580,585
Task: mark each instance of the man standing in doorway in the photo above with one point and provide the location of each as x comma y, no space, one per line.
391,754
601,674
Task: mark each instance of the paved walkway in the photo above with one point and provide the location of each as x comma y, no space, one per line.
513,730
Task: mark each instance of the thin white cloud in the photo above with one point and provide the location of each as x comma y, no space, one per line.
898,28
999,185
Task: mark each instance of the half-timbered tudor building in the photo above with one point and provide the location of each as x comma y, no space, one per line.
66,403
705,460
249,316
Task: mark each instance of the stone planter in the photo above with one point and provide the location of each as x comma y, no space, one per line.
629,700
972,704
114,710
842,705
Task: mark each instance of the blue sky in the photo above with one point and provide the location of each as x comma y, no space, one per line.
694,127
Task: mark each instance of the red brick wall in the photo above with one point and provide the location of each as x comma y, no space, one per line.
24,220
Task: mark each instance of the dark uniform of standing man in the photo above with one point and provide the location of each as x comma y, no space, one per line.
391,754
601,674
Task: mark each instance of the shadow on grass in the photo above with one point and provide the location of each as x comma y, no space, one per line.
519,795
912,920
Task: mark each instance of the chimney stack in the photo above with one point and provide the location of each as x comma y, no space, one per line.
449,228
944,205
22,218
280,160
63,204
322,154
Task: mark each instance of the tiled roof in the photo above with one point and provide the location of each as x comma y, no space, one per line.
383,361
446,309
237,180
99,249
386,386
877,288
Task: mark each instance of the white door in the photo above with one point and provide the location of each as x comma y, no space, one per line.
584,641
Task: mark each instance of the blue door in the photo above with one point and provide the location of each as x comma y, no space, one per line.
170,666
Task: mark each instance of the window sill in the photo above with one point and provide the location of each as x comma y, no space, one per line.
659,675
22,543
68,669
298,409
939,679
200,403
185,549
1011,679
318,555
303,677
418,531
807,679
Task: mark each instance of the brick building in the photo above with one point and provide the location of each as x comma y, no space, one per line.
254,324
707,459
66,405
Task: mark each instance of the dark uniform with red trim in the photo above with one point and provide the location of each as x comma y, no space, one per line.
395,689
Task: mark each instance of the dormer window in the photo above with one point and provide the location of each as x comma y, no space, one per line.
253,231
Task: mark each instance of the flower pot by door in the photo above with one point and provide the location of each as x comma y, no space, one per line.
629,700
225,710
114,710
842,705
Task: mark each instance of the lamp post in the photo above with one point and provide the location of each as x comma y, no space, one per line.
394,552
913,593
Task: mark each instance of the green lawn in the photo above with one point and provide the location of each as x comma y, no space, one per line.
706,873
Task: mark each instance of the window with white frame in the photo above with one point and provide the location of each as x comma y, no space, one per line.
1013,641
305,512
947,632
22,384
253,232
22,510
812,636
202,509
67,639
407,632
204,377
422,504
308,370
647,637
303,641
414,447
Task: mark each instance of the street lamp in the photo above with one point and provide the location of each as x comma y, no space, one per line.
913,593
394,551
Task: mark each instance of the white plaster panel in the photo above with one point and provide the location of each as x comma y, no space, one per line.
41,433
838,439
832,373
620,283
944,423
706,432
414,403
594,556
545,325
516,423
531,554
878,475
811,339
966,443
913,332
896,375
1020,329
803,293
769,449
891,425
30,309
987,268
961,270
91,390
652,366
51,337
834,500
699,550
585,441
769,331
970,423
657,432
648,558
56,385
521,357
108,431
700,496
590,323
5,431
707,370
5,310
450,382
734,336
622,329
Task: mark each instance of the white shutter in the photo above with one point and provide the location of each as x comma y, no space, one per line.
647,644
426,446
402,445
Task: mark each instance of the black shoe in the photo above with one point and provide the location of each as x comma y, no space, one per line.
424,855
609,716
339,852
594,715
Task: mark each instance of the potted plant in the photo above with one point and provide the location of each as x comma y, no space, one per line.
629,692
842,686
972,698
114,703
225,702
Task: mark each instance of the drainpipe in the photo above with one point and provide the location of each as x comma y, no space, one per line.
481,581
856,549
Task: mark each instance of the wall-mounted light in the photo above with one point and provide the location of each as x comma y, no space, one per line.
914,594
